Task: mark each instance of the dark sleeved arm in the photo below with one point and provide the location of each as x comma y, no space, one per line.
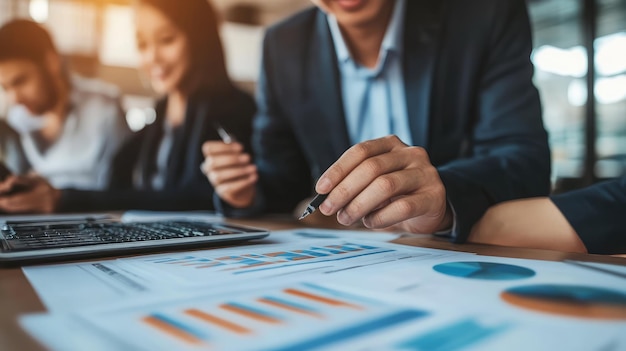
510,156
598,214
115,200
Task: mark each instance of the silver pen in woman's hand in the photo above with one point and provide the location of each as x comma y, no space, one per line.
226,137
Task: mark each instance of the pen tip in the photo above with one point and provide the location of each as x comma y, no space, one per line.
304,215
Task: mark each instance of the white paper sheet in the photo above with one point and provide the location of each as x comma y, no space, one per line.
65,287
299,316
541,293
72,286
299,235
616,270
64,332
449,300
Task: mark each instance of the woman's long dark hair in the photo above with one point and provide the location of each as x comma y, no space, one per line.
199,22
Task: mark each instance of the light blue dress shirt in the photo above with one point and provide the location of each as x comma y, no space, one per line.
374,99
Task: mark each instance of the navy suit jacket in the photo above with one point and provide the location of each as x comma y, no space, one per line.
469,93
598,214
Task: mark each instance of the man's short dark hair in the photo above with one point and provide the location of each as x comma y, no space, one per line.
25,40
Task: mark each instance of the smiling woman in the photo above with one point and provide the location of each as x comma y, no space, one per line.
180,47
181,53
165,52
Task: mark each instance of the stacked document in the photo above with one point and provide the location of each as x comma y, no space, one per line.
312,289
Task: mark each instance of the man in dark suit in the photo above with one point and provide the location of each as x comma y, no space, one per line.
450,80
587,220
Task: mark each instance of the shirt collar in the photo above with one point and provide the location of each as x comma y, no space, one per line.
343,54
395,33
392,40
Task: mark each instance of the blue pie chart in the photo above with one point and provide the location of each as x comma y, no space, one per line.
484,270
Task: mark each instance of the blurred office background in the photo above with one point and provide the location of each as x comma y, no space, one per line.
579,56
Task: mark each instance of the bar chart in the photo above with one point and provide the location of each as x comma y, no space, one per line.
303,316
272,260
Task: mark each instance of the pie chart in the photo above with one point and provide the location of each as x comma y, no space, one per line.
484,270
569,300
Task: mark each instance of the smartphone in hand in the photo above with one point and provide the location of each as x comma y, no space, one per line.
5,172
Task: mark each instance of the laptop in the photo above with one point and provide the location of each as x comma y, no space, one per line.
47,240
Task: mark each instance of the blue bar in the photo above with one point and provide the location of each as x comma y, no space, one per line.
346,247
312,253
327,250
453,337
254,310
356,331
312,235
180,325
169,259
342,294
367,247
291,304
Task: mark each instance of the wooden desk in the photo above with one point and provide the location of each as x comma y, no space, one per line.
18,297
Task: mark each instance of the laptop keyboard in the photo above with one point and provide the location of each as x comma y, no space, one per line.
20,237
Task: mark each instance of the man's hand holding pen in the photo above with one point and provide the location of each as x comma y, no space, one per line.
386,184
383,182
231,172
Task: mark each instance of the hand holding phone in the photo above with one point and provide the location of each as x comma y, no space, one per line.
5,172
12,187
28,194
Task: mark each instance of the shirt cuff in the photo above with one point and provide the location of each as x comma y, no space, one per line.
449,232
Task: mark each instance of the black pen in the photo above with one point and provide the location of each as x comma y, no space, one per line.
313,205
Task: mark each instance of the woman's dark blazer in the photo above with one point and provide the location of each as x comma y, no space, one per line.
186,187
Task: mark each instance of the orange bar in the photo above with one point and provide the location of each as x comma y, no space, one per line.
250,314
277,255
289,308
235,328
171,330
209,265
274,254
324,300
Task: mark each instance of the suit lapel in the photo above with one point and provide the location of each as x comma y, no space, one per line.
422,26
325,88
324,96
